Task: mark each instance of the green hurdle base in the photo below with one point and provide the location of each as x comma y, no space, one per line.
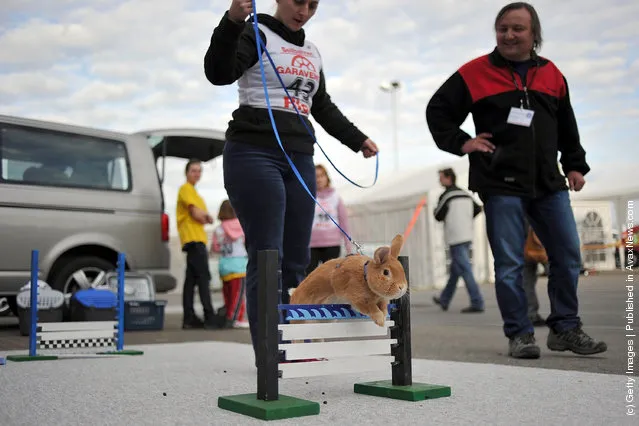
414,392
285,407
26,358
128,352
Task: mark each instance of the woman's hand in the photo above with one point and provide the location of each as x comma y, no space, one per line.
239,10
369,148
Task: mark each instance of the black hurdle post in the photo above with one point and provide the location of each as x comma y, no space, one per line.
402,367
267,325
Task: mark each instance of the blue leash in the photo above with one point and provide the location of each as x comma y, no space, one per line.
260,46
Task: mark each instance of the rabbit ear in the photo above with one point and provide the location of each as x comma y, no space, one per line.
396,245
381,254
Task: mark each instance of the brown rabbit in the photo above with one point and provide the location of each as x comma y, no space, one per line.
367,284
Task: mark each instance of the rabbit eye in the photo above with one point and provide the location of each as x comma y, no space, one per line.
386,272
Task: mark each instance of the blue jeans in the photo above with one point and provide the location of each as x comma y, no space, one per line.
275,212
552,219
461,267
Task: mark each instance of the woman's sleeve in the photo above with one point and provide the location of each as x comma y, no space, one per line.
231,52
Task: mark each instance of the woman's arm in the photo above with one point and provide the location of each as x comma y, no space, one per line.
231,52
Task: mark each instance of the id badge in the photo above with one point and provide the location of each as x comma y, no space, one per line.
520,116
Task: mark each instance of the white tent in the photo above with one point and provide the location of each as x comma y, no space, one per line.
377,214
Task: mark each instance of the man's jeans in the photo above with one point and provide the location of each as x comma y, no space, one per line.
461,266
552,219
274,210
530,287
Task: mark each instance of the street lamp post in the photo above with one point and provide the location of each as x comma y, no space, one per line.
393,87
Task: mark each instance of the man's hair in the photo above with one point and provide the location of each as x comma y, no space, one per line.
226,211
190,163
535,22
449,173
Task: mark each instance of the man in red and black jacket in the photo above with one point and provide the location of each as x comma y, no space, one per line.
523,118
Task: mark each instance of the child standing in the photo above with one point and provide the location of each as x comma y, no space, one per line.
326,238
228,242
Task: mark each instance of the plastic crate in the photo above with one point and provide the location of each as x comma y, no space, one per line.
93,305
50,307
144,315
138,286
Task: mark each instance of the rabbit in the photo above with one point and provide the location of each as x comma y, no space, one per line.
367,284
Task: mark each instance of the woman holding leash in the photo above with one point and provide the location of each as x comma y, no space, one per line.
272,205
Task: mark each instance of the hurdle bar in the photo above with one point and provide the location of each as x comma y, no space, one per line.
74,335
274,346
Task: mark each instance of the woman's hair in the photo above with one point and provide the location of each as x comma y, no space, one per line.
535,22
323,169
226,211
449,173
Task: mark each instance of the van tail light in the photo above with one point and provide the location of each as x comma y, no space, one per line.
165,227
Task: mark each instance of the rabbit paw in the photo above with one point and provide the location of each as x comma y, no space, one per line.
378,318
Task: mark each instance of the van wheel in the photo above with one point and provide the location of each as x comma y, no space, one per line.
5,310
80,273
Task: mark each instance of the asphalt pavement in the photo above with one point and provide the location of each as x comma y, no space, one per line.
438,335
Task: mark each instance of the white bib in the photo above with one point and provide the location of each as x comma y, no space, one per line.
321,221
299,68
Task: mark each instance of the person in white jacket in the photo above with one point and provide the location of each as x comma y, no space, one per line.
457,209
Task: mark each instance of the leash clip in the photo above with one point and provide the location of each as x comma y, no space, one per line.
359,247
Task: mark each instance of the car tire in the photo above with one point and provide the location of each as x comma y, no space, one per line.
91,267
5,309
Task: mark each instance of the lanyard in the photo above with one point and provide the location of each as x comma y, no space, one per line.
525,89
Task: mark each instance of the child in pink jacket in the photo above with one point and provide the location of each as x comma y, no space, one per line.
228,242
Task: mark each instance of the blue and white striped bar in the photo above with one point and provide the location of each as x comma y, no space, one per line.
323,312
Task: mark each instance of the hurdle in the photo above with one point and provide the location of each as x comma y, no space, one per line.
278,358
59,336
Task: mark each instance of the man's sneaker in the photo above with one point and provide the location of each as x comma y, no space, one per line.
523,346
575,340
194,323
437,301
472,310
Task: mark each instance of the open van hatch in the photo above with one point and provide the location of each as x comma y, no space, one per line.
203,144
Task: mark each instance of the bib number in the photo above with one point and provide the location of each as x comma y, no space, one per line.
301,86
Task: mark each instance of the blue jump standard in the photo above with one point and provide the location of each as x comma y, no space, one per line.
267,403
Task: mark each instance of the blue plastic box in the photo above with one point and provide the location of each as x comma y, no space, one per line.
94,305
144,315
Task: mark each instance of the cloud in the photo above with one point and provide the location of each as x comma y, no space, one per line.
136,64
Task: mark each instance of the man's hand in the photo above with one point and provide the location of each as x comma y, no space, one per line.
479,143
576,181
200,215
239,10
369,148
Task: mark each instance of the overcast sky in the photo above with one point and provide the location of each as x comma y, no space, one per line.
137,64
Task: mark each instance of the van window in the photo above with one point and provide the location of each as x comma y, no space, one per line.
48,158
